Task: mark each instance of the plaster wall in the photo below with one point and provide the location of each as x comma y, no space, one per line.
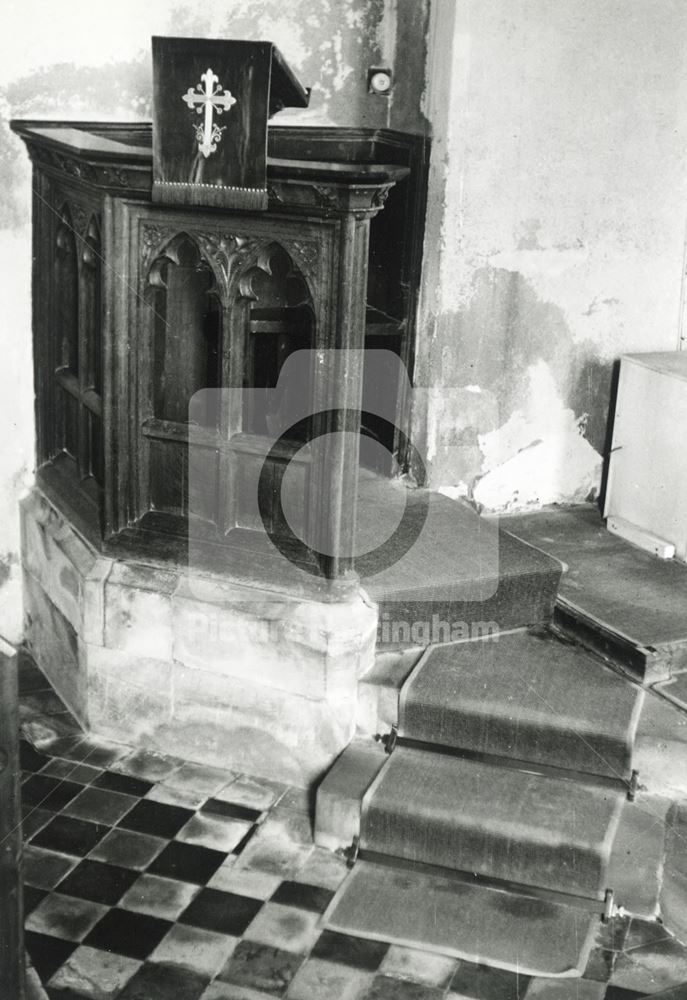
91,60
555,234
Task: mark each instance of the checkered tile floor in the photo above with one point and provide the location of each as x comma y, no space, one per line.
150,878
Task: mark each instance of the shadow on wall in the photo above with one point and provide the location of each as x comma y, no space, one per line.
613,372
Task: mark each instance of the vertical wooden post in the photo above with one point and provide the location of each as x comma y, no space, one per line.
12,981
338,393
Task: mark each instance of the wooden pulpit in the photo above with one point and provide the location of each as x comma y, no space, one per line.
211,102
195,274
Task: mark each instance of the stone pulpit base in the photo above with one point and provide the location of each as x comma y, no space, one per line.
190,664
142,309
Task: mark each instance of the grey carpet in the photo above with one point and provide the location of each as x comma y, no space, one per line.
505,824
475,923
528,697
622,586
459,569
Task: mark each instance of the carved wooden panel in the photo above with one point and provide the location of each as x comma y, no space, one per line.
66,286
68,340
219,308
187,325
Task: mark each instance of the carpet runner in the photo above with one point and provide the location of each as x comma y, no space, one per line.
475,817
526,697
488,831
476,923
459,570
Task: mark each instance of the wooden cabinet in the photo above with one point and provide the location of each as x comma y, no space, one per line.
646,492
151,322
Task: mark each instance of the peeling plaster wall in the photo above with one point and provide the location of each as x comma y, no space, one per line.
555,233
91,60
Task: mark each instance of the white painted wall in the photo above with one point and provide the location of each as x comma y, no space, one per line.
555,232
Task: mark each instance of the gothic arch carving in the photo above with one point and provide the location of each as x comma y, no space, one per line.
66,292
273,261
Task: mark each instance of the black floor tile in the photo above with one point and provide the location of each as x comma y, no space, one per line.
34,821
70,836
30,759
224,912
231,810
307,897
158,981
187,862
32,898
261,967
65,994
49,793
114,782
156,818
98,882
135,935
391,988
485,983
47,953
356,952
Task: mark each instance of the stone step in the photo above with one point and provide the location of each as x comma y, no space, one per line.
477,923
516,826
524,696
637,873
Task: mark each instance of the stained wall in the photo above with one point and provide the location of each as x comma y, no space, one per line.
555,237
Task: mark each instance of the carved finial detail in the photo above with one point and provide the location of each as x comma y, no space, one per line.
227,251
380,197
152,237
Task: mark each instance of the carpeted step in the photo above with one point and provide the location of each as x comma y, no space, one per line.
524,696
447,572
497,822
477,923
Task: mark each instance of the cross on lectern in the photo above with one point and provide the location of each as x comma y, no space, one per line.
209,100
208,164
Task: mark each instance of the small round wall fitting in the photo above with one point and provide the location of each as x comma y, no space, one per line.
379,79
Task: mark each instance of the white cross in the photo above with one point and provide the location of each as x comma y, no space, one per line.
208,100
